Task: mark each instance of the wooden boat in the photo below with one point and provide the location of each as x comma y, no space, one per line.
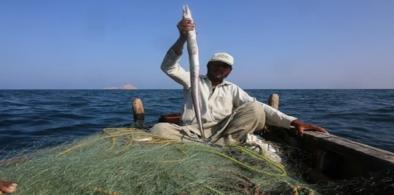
330,157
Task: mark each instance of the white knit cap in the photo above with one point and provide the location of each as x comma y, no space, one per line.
223,57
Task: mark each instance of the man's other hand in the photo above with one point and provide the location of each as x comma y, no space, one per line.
301,127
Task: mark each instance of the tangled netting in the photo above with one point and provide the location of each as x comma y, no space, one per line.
132,161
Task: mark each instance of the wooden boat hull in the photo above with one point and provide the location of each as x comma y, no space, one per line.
330,156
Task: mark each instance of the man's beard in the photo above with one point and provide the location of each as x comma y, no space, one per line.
217,77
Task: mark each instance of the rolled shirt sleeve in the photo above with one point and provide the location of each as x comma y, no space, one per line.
277,118
173,69
274,117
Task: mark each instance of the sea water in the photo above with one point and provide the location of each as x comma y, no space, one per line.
43,118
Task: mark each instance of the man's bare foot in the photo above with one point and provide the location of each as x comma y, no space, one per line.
7,186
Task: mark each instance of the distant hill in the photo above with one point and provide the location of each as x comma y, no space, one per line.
126,86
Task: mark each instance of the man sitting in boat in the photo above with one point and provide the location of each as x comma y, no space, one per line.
229,114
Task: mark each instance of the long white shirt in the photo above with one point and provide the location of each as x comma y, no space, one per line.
215,104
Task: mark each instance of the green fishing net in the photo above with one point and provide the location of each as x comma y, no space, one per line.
132,161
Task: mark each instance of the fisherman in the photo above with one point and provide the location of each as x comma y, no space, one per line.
229,114
7,187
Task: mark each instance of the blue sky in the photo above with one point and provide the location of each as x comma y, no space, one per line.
276,44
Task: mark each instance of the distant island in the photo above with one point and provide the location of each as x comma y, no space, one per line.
126,86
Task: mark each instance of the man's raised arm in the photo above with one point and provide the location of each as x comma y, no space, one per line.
170,64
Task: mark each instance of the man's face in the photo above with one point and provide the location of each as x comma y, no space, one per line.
217,71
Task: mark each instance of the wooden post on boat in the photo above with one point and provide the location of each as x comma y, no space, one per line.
273,101
138,113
